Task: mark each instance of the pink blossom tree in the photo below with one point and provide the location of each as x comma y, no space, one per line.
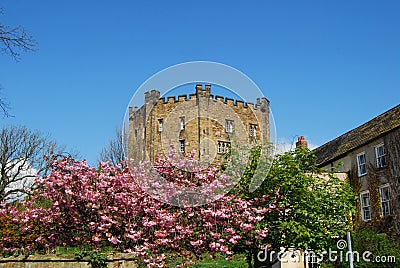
106,207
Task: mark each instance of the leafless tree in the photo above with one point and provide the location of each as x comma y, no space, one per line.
22,158
114,151
4,106
15,39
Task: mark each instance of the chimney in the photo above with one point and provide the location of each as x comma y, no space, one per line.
301,142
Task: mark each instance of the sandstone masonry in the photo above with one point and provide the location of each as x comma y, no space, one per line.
201,121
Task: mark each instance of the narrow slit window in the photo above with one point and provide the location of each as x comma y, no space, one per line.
182,122
253,130
182,146
229,126
160,125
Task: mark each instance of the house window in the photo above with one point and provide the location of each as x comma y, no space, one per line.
312,260
223,147
253,130
182,146
380,156
182,122
229,126
160,125
365,206
361,163
384,191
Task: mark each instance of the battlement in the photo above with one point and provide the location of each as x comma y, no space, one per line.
203,92
263,102
153,96
159,121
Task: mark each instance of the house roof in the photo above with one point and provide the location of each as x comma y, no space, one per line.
359,136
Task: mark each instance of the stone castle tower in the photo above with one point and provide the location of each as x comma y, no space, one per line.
200,121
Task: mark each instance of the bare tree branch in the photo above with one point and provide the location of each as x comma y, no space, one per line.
15,39
4,106
21,159
114,151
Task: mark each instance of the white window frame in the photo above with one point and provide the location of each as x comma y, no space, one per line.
380,158
223,147
160,125
360,165
365,208
182,122
182,146
253,130
229,126
385,199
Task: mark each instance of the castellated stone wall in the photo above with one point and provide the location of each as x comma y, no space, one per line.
200,121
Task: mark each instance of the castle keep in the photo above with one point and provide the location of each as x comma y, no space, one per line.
200,121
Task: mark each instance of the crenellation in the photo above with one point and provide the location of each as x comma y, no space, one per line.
263,102
203,92
182,98
199,87
241,104
134,111
251,105
204,120
219,98
171,99
192,96
230,101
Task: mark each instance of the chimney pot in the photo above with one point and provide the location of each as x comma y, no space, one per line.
301,142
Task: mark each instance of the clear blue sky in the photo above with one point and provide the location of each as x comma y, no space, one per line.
326,66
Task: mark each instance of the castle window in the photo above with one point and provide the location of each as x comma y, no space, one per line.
229,126
253,130
384,191
182,122
182,146
160,125
361,164
223,147
365,206
380,156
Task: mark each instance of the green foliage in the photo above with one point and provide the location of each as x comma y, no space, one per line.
95,257
377,244
384,251
314,206
21,237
